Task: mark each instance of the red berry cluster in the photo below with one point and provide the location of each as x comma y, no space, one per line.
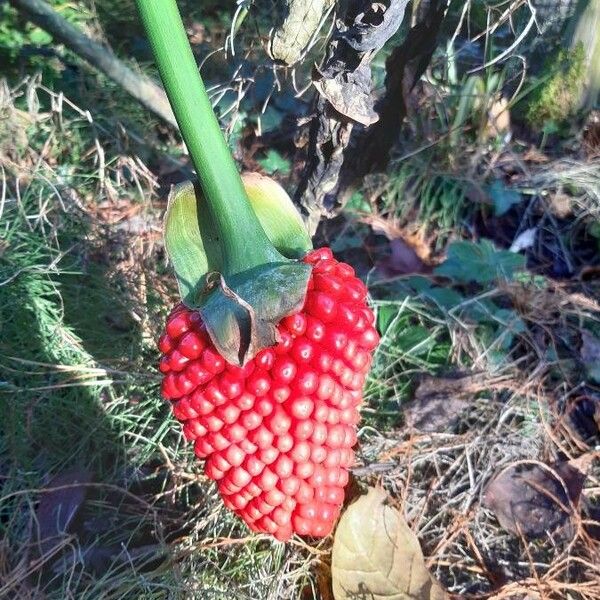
277,434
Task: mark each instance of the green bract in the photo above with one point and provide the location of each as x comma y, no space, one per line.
240,309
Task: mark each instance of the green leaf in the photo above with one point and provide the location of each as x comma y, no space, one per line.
385,316
192,242
358,202
271,119
550,127
275,163
503,198
377,556
415,340
479,262
39,37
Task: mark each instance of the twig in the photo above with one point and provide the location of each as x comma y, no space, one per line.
143,89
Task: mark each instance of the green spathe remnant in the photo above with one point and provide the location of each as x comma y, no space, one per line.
192,241
217,268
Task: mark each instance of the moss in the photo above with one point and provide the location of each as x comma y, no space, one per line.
558,96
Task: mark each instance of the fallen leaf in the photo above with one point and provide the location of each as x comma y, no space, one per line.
439,402
376,555
560,205
59,503
498,118
590,354
409,251
435,413
403,260
535,156
415,238
524,240
374,25
533,499
584,416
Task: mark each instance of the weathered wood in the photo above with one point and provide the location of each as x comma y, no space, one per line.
143,89
585,29
404,68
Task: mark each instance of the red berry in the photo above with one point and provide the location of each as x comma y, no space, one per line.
251,420
280,393
301,407
315,330
303,350
277,434
268,455
295,324
212,361
321,306
177,360
284,442
165,345
265,359
178,324
191,344
284,370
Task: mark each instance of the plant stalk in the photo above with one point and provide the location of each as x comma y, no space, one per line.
244,243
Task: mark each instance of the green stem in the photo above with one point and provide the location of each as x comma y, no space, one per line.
243,241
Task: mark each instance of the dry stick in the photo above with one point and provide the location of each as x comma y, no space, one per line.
143,89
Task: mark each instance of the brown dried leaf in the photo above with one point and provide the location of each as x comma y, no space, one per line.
533,499
535,156
374,25
377,556
435,413
498,118
561,205
403,260
410,251
439,402
59,503
350,94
